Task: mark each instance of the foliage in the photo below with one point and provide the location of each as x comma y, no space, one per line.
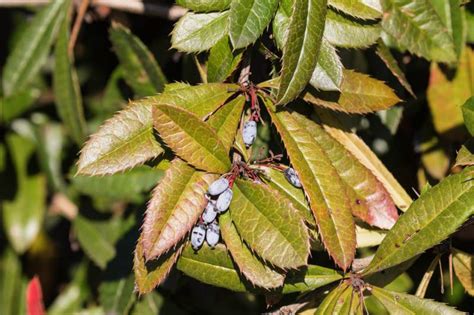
283,102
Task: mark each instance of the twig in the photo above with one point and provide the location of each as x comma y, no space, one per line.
172,13
77,25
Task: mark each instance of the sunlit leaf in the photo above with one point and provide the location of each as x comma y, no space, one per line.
269,225
343,32
335,300
211,266
310,278
465,155
463,264
222,61
31,50
416,26
250,266
359,94
452,16
199,32
328,74
324,188
401,303
425,281
299,59
176,205
205,5
431,218
358,8
468,114
248,20
143,73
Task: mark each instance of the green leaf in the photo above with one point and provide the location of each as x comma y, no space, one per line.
333,302
328,74
99,249
299,59
416,26
465,155
384,53
250,266
150,274
211,266
226,121
143,73
452,16
175,207
127,186
359,94
463,264
310,278
117,296
368,198
66,88
191,138
248,20
324,188
122,142
446,94
10,282
468,114
358,8
222,61
32,48
429,220
201,100
269,225
18,103
205,5
401,303
23,216
343,32
199,32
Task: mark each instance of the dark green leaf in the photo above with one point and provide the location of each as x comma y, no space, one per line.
117,296
222,61
143,73
468,114
16,104
205,5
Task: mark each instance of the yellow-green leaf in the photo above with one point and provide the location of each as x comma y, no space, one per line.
222,61
191,138
463,264
205,5
465,155
358,8
310,278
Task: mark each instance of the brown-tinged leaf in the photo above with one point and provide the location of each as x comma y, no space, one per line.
190,138
177,202
269,225
464,268
122,142
250,266
465,155
148,275
358,94
325,190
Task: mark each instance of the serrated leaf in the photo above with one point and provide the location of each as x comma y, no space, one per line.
343,32
416,26
199,32
310,278
430,219
465,155
401,303
122,142
127,186
324,188
32,48
359,94
150,274
222,61
328,74
468,114
176,205
369,199
269,225
226,121
250,266
446,94
211,266
463,264
143,73
384,53
201,100
205,5
116,296
336,127
23,216
299,59
66,88
248,20
191,138
364,9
